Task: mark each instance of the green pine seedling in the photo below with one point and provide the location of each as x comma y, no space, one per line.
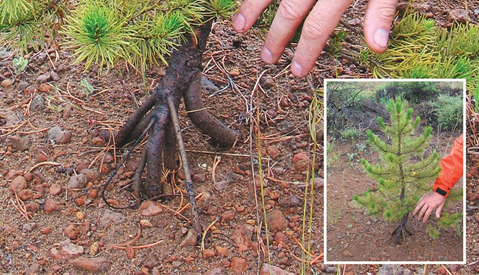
405,173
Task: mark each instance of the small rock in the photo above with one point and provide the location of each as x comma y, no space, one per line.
110,216
150,260
208,253
29,90
242,236
214,271
44,88
32,207
273,151
50,206
238,265
28,176
19,183
22,85
267,81
29,227
58,135
276,220
458,15
275,194
190,239
207,85
267,269
44,77
66,250
227,216
25,194
318,182
199,178
19,143
37,104
388,269
91,174
94,248
354,22
46,230
77,182
72,231
301,162
6,83
221,251
291,201
280,237
149,208
55,189
54,76
331,269
96,265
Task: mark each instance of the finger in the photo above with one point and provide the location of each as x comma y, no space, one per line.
438,210
247,14
285,24
418,206
377,22
427,214
422,212
317,27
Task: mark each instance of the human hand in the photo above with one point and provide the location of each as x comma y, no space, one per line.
321,21
428,203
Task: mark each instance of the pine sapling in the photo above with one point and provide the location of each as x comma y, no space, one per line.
405,173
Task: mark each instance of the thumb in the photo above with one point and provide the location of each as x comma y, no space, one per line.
377,22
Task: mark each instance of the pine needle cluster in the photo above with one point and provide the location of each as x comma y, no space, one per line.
419,49
141,32
404,174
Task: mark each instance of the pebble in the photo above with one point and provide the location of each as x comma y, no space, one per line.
331,269
273,151
276,221
6,83
58,135
242,236
227,216
91,174
72,231
267,269
221,251
22,85
96,265
267,81
29,227
388,269
318,182
94,248
19,183
149,208
354,22
66,250
199,178
37,104
238,265
19,143
44,88
190,239
150,260
280,237
215,271
25,194
77,182
458,15
50,206
291,201
275,194
54,76
32,207
111,216
30,90
301,162
44,77
46,230
207,85
55,189
208,253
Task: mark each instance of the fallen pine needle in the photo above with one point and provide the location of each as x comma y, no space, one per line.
43,164
206,231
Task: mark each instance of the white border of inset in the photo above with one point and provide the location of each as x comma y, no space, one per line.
325,218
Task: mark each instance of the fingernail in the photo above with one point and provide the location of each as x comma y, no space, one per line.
381,37
296,68
239,22
266,55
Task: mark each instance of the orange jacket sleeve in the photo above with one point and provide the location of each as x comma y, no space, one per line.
451,169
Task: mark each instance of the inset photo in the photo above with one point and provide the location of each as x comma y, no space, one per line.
394,185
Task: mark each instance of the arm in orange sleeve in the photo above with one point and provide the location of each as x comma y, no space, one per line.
451,169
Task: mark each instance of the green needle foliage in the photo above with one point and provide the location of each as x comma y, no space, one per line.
102,32
419,49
